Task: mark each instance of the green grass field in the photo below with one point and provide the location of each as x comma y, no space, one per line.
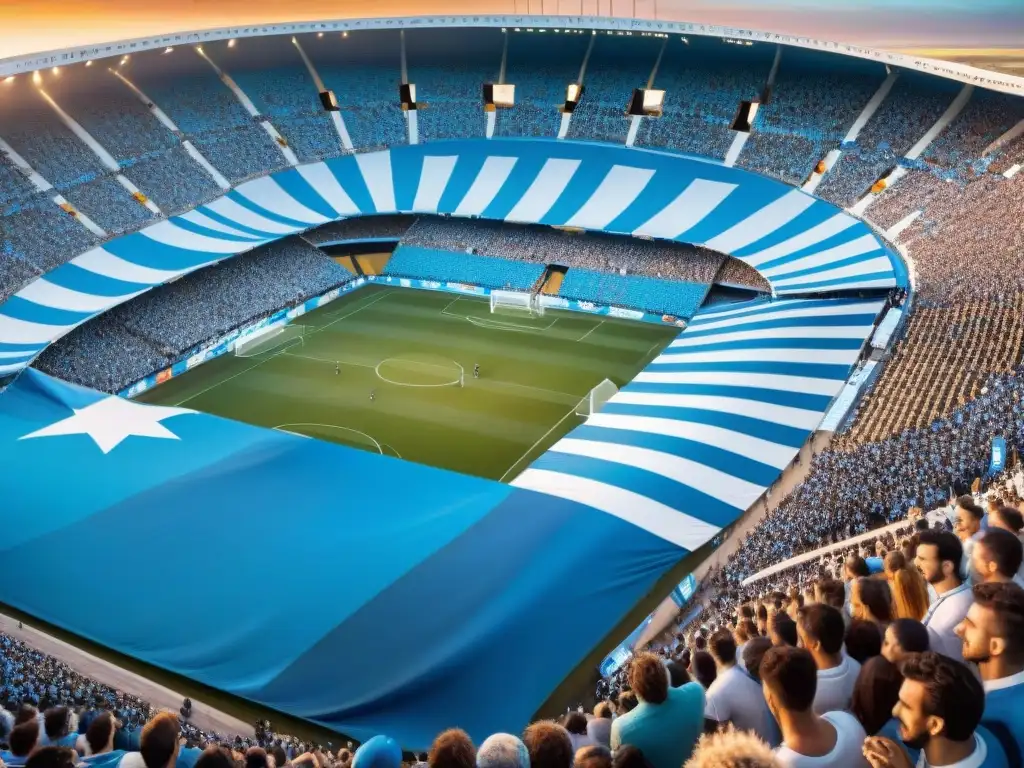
411,348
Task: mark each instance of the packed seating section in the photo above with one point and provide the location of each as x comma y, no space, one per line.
491,272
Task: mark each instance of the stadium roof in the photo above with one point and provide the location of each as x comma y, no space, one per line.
68,56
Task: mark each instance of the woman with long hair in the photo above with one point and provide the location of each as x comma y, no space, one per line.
871,600
909,591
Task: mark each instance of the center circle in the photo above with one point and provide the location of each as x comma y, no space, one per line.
420,371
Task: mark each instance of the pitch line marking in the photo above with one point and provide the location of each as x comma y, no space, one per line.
571,412
373,301
281,428
581,338
229,378
461,377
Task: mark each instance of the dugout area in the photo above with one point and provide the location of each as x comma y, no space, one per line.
414,351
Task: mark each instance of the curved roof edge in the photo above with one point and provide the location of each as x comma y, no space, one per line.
966,74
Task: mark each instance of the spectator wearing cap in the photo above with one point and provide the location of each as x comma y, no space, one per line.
667,722
874,698
599,728
939,554
821,632
903,637
502,750
993,637
939,708
378,752
452,749
735,697
789,680
549,745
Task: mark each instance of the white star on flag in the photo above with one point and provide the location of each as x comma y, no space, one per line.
111,420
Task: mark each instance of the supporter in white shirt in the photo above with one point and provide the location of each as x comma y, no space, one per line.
1009,519
939,710
967,528
809,740
939,554
735,697
821,631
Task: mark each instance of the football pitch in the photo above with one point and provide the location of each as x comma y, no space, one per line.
414,352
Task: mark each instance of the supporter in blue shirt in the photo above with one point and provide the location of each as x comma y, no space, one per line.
993,637
59,727
667,722
23,739
939,709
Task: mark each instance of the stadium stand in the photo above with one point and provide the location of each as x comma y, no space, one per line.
740,274
142,335
384,227
42,234
636,291
491,272
616,67
110,205
960,148
172,180
704,82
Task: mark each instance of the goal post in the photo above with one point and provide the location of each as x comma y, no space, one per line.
596,398
516,301
269,339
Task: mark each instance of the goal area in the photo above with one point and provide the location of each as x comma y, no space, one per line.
596,398
269,339
513,302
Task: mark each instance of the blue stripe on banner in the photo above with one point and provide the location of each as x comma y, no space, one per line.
467,168
266,213
818,213
838,239
405,178
86,281
28,349
216,234
146,252
222,219
757,308
742,202
295,184
849,280
30,312
519,180
831,265
747,425
663,188
769,343
346,171
578,191
821,321
793,399
651,485
811,370
743,467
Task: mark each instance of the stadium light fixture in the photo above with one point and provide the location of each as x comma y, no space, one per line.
56,70
319,34
9,79
37,78
344,34
231,43
88,63
168,49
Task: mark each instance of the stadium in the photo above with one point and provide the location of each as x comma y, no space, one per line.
383,377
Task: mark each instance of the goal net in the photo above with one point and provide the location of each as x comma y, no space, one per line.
516,302
596,398
269,339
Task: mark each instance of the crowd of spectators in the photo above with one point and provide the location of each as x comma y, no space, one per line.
383,227
368,99
441,266
454,105
165,324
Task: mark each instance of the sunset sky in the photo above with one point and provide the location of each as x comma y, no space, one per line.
28,26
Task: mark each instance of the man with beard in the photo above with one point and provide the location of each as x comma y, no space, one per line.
939,711
938,558
993,635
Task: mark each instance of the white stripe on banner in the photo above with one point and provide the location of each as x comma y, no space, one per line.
616,192
41,291
544,191
816,234
267,193
785,415
168,233
765,451
14,331
777,381
329,188
785,312
376,170
730,490
776,214
107,264
689,209
434,176
18,355
485,187
202,220
8,369
801,332
747,308
825,356
239,214
861,245
655,518
880,264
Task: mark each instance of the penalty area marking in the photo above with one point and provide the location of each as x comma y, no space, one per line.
380,447
458,379
496,325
